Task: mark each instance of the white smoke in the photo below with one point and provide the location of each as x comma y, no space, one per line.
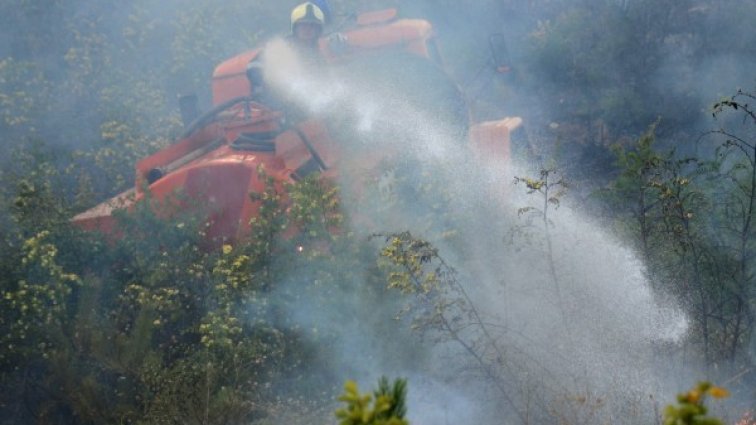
600,334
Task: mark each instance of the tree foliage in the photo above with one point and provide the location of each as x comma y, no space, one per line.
691,408
692,221
386,406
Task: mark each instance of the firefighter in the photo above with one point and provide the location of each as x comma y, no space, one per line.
307,22
307,26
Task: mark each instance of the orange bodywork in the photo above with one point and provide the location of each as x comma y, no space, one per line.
214,168
215,177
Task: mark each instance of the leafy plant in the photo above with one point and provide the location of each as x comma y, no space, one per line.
550,186
443,310
691,406
386,406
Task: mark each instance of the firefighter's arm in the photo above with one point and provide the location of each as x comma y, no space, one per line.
337,43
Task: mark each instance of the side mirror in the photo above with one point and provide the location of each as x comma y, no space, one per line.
188,108
255,74
499,53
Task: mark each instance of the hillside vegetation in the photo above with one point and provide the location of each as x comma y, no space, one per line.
641,115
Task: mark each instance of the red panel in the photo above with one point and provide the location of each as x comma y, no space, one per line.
230,77
408,33
100,218
491,139
221,187
176,151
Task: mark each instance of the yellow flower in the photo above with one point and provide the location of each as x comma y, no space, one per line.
719,392
694,396
227,249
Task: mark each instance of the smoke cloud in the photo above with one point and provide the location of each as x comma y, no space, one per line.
594,327
568,303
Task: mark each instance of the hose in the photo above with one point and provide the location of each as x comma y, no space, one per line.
210,115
